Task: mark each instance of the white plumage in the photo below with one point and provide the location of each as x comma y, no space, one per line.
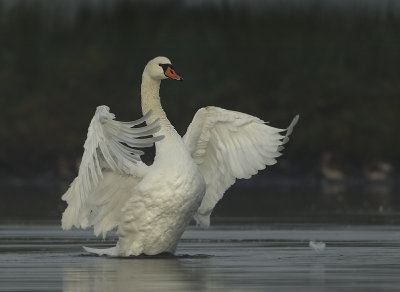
152,205
104,163
227,145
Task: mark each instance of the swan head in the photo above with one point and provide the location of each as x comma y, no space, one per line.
161,68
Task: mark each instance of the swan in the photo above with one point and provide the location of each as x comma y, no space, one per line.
152,205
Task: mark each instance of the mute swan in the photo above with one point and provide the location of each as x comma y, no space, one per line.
152,205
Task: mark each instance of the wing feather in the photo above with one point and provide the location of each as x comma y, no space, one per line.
228,145
107,149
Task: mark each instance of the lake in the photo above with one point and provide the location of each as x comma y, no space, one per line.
235,257
361,231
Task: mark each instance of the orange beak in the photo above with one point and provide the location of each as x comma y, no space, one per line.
170,73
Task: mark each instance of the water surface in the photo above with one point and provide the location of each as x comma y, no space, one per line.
235,257
267,249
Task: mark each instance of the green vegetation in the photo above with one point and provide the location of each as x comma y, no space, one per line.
340,71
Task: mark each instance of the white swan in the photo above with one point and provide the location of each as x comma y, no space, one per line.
152,205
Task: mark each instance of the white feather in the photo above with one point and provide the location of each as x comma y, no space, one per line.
317,246
228,145
107,172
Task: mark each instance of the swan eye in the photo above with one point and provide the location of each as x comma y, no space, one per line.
166,66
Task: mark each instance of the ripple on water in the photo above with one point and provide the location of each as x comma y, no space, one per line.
277,258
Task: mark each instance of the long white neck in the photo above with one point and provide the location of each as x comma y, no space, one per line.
151,101
172,143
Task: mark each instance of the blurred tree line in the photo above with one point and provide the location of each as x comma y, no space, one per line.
339,70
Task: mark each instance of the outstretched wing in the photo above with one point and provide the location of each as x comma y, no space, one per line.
108,156
228,145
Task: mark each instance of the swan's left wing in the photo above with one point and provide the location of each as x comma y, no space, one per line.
228,145
110,166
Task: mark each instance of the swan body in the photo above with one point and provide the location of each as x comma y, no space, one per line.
152,205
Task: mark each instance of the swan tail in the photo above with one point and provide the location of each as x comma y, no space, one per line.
112,251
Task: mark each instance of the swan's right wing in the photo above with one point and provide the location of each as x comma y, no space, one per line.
108,164
227,145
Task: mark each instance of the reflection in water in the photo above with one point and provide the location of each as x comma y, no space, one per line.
107,274
333,191
244,258
317,273
373,197
326,197
378,195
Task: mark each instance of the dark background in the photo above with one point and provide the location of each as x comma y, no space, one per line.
336,63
